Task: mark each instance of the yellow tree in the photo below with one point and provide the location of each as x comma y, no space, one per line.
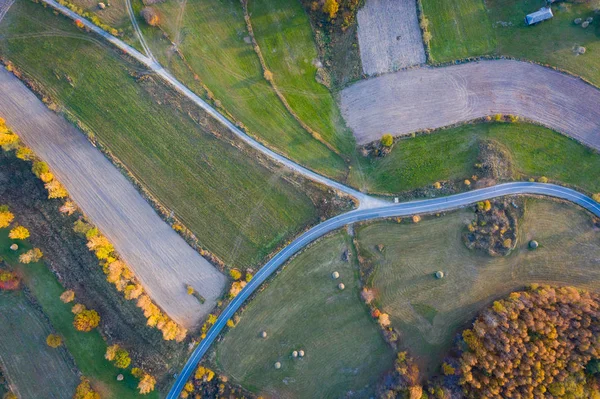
146,384
86,320
331,7
31,256
6,217
19,233
54,341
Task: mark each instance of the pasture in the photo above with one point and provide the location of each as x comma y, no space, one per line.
428,312
344,349
237,208
34,370
213,38
451,155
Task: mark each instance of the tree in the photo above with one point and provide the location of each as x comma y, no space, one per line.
54,341
86,320
146,384
235,274
331,7
9,395
24,153
84,390
387,140
122,359
31,256
56,190
6,217
67,296
111,352
39,168
150,16
19,233
78,308
68,208
596,197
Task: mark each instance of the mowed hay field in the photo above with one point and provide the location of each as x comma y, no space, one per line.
33,369
302,309
237,208
213,38
451,154
429,312
87,349
470,28
283,32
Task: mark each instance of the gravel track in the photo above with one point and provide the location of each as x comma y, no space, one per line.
389,36
429,98
159,257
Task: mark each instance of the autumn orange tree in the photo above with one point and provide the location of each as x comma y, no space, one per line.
535,343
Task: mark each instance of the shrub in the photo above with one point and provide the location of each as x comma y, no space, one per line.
56,190
31,256
24,153
387,140
437,185
416,219
78,308
543,179
150,16
190,290
19,233
596,197
39,168
54,341
427,36
467,182
67,296
68,208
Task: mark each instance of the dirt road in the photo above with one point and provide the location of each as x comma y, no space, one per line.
426,98
389,36
161,259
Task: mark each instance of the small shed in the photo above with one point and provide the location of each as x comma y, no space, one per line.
540,15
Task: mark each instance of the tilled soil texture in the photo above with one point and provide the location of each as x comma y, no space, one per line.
429,98
389,36
159,257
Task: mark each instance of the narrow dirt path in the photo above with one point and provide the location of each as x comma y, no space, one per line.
158,256
429,98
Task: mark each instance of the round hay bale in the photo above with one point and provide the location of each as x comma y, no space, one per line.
580,50
439,274
295,354
263,334
14,247
341,286
585,24
277,365
577,21
335,275
533,244
120,377
101,6
301,353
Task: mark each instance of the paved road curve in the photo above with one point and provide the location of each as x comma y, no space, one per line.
388,210
365,200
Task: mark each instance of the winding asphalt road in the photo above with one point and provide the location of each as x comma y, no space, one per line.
365,200
388,210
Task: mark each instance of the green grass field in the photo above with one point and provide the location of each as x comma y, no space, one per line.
470,28
429,312
87,349
37,370
285,37
452,153
213,38
344,348
237,208
460,29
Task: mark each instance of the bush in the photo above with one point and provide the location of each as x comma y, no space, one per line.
387,140
543,179
150,16
84,390
54,341
596,197
86,320
56,190
235,274
146,384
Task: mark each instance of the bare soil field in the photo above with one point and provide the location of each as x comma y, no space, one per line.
429,98
389,36
161,259
33,369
